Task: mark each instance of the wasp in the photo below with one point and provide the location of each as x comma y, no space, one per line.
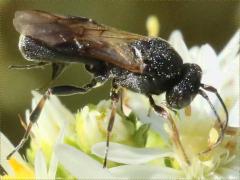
142,64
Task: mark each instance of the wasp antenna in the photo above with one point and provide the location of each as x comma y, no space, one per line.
33,118
220,138
28,66
214,90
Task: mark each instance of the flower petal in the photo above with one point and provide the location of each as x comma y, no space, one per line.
40,165
230,82
54,160
129,155
79,164
194,52
207,59
145,172
231,49
176,40
234,116
5,148
207,54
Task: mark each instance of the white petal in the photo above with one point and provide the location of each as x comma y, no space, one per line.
53,166
208,61
40,165
54,160
5,148
230,49
230,87
145,172
79,164
194,53
207,57
234,120
129,155
176,40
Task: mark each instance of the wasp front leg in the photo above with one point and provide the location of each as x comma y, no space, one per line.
175,134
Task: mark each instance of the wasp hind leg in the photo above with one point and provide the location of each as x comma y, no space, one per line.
115,96
57,70
65,90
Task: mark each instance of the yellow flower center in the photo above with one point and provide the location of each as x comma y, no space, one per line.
20,170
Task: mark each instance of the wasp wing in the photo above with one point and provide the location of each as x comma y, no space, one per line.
92,39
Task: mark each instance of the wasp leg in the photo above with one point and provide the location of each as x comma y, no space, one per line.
115,95
58,90
222,129
33,118
57,70
175,134
29,66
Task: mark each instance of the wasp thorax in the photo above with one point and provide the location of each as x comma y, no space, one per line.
183,92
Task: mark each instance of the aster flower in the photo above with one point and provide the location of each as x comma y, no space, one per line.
195,126
73,145
77,130
18,168
55,125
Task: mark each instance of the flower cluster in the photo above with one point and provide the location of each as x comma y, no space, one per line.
66,145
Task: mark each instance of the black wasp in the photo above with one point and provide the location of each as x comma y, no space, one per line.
145,65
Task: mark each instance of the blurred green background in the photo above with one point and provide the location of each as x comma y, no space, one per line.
201,22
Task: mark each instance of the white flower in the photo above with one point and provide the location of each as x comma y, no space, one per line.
195,129
16,167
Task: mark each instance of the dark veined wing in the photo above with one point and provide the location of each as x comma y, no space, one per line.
94,40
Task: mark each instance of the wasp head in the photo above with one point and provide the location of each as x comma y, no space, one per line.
183,92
